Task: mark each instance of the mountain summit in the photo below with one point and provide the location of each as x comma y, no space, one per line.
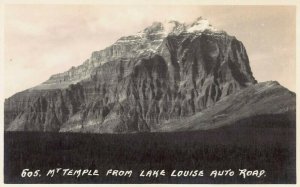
140,44
167,73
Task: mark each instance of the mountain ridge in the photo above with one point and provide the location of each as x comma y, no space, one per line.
142,82
138,42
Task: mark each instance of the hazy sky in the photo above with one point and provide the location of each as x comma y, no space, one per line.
41,40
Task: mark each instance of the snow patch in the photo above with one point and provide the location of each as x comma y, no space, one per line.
201,25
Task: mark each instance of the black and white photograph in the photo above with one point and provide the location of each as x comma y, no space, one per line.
149,93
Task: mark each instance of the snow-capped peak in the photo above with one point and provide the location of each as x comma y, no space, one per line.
200,25
174,27
152,36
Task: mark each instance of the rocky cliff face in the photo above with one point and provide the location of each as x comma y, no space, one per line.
163,73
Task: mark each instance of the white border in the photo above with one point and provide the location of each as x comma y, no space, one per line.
144,2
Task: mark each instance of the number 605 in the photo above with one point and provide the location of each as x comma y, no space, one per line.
28,173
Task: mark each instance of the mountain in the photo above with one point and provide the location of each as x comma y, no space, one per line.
257,102
169,77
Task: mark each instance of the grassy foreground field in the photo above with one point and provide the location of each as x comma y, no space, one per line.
268,145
